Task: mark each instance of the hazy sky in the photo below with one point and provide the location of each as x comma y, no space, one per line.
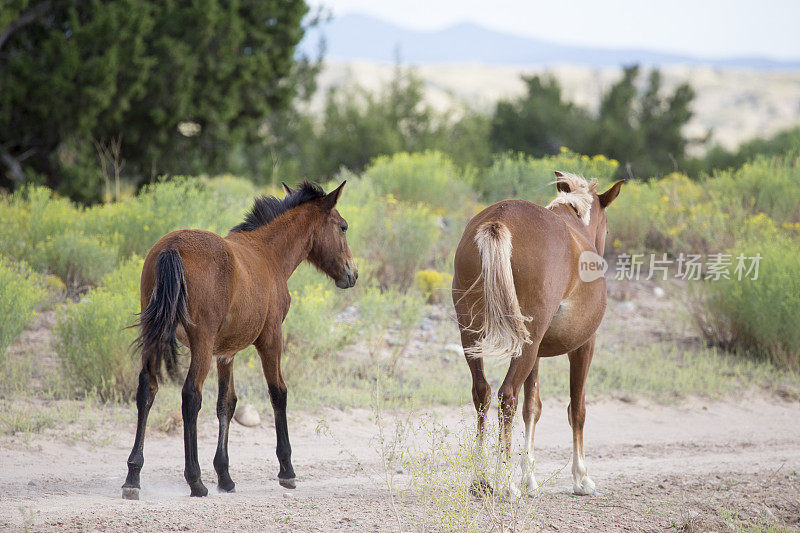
713,28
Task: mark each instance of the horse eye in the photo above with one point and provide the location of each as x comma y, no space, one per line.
344,228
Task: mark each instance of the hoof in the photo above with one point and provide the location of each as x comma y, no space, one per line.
290,483
230,489
199,490
584,488
481,488
130,493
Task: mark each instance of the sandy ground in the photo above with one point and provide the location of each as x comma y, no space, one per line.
696,467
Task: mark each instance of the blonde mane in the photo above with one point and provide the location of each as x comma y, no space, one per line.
579,195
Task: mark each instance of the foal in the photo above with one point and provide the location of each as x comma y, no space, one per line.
218,296
519,295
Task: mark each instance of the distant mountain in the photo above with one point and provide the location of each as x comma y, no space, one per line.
358,37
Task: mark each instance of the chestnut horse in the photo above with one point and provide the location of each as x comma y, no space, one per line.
519,295
220,295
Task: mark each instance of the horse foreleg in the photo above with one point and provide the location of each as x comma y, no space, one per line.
531,411
145,394
226,406
192,400
579,361
269,349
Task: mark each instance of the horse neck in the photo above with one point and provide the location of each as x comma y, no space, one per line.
288,237
567,213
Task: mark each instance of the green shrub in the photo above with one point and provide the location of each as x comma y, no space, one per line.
518,176
395,238
706,216
21,291
428,177
78,260
758,317
310,329
434,285
669,215
765,185
135,226
93,340
31,215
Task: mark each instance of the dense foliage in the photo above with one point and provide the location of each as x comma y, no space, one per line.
174,85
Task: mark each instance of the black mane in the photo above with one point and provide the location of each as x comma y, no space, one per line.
268,208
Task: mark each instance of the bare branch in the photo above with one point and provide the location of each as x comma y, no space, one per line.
28,16
15,171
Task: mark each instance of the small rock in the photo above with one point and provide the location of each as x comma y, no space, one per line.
770,514
247,415
658,292
288,495
426,325
454,348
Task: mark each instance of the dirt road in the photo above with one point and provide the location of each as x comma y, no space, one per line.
702,466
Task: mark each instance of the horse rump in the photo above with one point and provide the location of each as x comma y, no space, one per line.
160,319
503,332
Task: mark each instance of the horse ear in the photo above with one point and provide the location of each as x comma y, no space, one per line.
287,189
332,197
561,186
607,197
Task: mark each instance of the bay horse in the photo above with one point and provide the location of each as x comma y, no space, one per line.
519,296
220,295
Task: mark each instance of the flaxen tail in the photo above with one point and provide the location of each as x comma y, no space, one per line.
160,319
503,332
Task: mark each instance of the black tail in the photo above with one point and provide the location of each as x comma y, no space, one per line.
167,309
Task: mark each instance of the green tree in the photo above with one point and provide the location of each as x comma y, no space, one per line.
180,83
358,125
540,122
642,130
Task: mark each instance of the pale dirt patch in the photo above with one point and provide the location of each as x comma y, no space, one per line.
697,467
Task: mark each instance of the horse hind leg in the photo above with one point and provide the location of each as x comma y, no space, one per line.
531,411
192,400
508,395
226,406
481,399
579,361
145,394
